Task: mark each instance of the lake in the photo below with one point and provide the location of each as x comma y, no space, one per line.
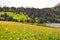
53,24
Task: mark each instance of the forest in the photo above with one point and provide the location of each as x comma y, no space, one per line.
30,15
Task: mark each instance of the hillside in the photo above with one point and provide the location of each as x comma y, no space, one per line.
30,15
12,16
23,31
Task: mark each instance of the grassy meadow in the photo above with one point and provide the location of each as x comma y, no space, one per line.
24,31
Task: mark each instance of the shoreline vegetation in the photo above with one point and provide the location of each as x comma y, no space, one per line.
43,24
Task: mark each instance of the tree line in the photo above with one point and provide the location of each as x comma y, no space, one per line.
44,15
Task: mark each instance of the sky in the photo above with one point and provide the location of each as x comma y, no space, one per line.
29,3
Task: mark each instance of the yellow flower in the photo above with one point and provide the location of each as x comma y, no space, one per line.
11,32
14,32
47,34
6,29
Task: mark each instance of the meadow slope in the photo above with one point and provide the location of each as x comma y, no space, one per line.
23,31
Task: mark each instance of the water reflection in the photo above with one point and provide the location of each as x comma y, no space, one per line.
53,24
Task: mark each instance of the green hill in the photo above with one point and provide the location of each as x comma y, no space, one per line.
23,31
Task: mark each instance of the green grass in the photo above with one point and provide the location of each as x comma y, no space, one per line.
25,31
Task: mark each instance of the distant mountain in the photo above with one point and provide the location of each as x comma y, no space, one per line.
57,7
58,4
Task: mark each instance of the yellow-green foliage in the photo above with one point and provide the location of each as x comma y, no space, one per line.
20,31
17,16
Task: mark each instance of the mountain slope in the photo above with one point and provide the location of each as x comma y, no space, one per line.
58,4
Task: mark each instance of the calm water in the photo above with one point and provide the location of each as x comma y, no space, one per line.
53,24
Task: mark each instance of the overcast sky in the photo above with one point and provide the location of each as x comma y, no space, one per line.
29,3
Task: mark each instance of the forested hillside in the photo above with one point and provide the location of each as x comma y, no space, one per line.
31,15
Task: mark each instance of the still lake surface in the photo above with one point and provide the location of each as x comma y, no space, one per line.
53,24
